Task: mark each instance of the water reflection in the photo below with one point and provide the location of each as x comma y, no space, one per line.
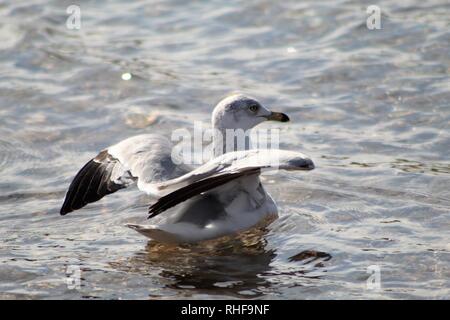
225,266
238,267
234,274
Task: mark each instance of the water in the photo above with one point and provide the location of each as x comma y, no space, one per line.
371,107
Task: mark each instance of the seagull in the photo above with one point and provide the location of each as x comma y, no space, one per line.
224,196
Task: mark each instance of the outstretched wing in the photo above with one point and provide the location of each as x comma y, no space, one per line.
145,159
100,176
224,169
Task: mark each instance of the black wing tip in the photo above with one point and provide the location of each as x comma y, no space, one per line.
152,212
91,183
65,209
63,212
302,164
67,206
309,165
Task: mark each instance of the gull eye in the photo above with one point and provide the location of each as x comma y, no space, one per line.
253,108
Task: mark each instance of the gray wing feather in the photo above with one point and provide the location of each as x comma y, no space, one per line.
225,169
145,158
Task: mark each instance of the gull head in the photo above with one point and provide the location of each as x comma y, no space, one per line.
241,112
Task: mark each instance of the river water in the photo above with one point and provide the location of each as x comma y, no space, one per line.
370,107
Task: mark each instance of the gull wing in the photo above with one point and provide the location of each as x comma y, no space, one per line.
145,159
224,169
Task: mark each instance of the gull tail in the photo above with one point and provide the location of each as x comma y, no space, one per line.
154,233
